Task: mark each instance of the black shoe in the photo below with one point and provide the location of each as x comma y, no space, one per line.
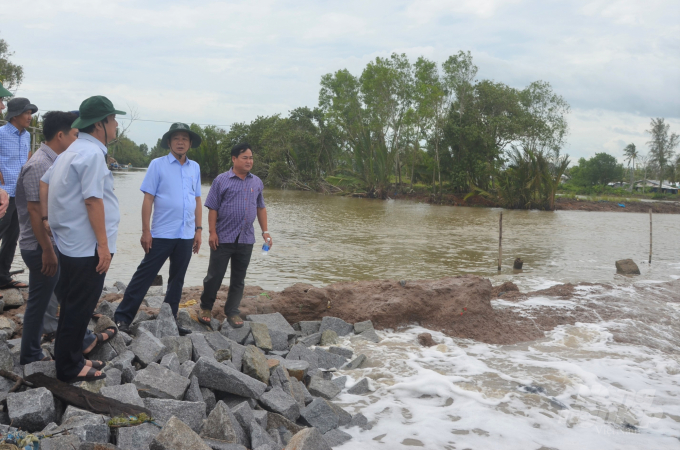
183,331
124,327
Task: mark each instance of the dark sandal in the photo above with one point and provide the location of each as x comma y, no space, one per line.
90,376
232,321
101,340
205,313
98,365
14,284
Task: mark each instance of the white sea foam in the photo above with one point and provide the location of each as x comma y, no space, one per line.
576,389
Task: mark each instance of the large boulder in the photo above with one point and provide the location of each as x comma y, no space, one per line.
147,347
191,413
224,426
176,435
627,267
255,364
214,375
308,439
158,382
137,437
31,410
281,402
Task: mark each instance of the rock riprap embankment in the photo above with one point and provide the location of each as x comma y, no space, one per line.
266,386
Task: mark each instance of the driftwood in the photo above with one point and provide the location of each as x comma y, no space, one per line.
81,398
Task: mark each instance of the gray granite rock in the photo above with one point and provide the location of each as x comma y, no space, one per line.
360,388
153,301
296,368
238,335
165,322
279,340
193,393
71,411
214,444
312,339
340,382
186,367
137,437
261,336
217,341
319,414
127,339
369,335
261,417
223,425
148,325
106,309
60,443
344,417
360,327
308,439
259,437
274,321
336,438
319,387
122,360
6,358
147,348
277,421
31,410
158,382
47,368
223,355
300,393
278,401
255,364
13,298
309,327
359,420
191,413
176,435
185,320
179,345
244,414
209,399
120,286
301,352
89,428
356,362
141,316
114,377
126,393
341,327
347,353
214,375
128,374
328,360
171,362
232,399
328,337
201,347
237,352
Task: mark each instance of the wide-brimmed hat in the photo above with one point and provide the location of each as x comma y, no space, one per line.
179,126
18,106
93,110
4,92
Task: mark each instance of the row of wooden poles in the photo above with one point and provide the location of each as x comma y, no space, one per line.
500,238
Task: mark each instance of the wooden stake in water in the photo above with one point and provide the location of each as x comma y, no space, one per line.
650,235
500,241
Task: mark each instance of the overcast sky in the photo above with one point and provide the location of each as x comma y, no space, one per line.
617,63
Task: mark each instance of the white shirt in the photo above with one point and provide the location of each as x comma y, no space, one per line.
78,174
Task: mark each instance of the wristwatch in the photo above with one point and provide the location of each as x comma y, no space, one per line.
265,232
198,228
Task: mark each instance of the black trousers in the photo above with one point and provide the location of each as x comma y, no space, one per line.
179,252
239,254
9,233
78,291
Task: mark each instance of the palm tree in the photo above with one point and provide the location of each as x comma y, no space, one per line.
631,154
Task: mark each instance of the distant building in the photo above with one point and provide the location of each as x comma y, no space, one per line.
653,186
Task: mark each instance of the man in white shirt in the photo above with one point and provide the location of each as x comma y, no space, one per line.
83,216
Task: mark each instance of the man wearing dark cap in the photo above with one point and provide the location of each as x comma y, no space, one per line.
15,143
172,188
83,216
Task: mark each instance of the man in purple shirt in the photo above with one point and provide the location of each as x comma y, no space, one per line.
234,200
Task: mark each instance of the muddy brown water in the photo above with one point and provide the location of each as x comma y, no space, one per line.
321,239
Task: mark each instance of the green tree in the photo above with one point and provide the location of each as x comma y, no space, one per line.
631,154
601,169
662,145
11,74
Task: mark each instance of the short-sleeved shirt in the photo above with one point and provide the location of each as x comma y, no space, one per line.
236,201
28,190
78,174
14,148
175,187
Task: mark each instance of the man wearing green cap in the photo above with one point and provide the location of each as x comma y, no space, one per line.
172,188
83,216
15,144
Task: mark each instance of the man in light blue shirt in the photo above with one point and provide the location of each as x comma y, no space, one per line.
83,216
15,144
172,187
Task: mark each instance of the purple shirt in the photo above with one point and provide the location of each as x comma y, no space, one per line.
236,202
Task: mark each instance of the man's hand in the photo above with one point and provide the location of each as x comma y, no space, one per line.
4,201
269,242
197,241
146,241
213,240
49,262
104,259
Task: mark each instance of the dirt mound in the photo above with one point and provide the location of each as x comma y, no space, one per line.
504,288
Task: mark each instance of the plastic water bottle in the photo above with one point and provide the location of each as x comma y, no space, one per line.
265,247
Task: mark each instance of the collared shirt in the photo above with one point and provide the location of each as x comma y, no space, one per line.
78,174
28,190
236,202
175,187
14,148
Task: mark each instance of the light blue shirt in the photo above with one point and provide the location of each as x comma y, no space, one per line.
14,148
78,174
175,188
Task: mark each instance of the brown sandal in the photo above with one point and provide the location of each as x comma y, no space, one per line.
205,313
232,319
